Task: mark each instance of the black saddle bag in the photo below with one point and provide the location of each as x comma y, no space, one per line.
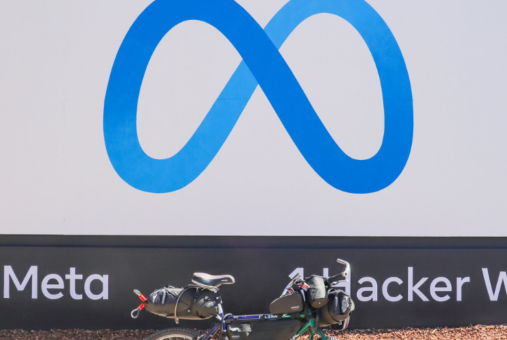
287,304
317,293
264,330
192,303
338,308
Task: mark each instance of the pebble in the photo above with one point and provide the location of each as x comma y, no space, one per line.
498,332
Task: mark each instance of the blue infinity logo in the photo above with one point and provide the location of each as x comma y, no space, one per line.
264,66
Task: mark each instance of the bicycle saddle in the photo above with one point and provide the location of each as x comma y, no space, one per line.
212,280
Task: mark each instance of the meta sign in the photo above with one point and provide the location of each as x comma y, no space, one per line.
264,66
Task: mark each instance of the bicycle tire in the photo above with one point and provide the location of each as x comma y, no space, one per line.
174,334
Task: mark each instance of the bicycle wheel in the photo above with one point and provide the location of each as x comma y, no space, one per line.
174,334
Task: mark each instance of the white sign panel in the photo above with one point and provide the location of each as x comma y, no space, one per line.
265,117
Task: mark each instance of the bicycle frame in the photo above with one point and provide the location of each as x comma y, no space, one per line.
225,319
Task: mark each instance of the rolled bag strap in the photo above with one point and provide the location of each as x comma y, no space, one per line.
178,301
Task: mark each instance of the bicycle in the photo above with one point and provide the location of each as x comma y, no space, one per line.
304,306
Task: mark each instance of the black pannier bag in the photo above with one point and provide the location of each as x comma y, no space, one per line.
287,304
193,303
264,330
338,308
317,293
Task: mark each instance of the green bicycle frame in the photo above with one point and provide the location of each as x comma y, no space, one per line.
310,325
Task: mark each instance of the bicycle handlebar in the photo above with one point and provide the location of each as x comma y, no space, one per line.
341,276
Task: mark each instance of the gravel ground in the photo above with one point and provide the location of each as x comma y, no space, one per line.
463,333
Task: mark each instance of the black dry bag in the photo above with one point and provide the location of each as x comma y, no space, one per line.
317,293
338,309
192,303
